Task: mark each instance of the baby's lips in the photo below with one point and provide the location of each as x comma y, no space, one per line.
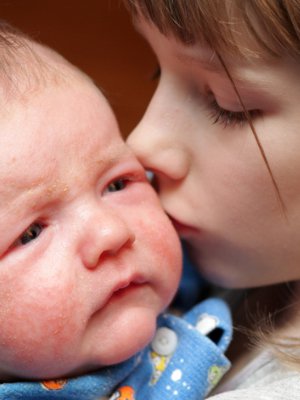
122,284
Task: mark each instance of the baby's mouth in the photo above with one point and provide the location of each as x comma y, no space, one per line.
121,289
125,289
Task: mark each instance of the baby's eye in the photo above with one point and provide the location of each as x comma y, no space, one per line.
117,185
31,233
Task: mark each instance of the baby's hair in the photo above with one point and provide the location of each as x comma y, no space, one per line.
18,62
27,66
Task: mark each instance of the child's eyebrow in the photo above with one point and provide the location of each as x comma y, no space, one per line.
208,61
208,57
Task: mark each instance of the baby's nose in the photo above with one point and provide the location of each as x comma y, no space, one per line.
106,236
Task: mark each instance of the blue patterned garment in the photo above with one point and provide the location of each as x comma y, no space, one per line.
185,360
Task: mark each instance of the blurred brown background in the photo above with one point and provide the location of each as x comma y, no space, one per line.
98,37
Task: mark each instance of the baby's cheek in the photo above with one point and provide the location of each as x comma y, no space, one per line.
37,327
164,252
170,250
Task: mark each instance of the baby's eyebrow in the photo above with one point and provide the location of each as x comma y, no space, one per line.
51,186
35,193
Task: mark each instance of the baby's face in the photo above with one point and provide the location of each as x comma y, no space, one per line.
87,257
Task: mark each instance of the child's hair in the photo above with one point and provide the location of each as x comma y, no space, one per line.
272,30
273,24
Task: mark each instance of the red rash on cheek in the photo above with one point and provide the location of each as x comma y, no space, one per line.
36,323
166,254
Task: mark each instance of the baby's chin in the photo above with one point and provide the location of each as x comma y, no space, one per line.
134,333
128,329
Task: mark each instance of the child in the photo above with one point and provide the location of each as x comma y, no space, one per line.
221,134
88,259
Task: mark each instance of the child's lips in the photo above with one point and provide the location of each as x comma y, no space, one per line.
182,229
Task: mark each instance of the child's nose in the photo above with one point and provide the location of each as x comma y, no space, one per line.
158,141
159,153
106,234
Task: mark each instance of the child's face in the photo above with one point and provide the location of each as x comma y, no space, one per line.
88,257
211,176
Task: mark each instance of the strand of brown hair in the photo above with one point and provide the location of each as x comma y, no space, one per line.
258,142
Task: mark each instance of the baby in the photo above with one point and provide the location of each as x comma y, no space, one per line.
87,255
88,259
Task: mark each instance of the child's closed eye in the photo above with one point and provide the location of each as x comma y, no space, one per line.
230,118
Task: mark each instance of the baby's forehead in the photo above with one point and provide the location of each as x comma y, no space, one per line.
62,137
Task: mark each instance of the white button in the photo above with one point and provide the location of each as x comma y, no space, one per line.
164,342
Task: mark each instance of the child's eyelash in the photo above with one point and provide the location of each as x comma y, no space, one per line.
230,118
219,114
